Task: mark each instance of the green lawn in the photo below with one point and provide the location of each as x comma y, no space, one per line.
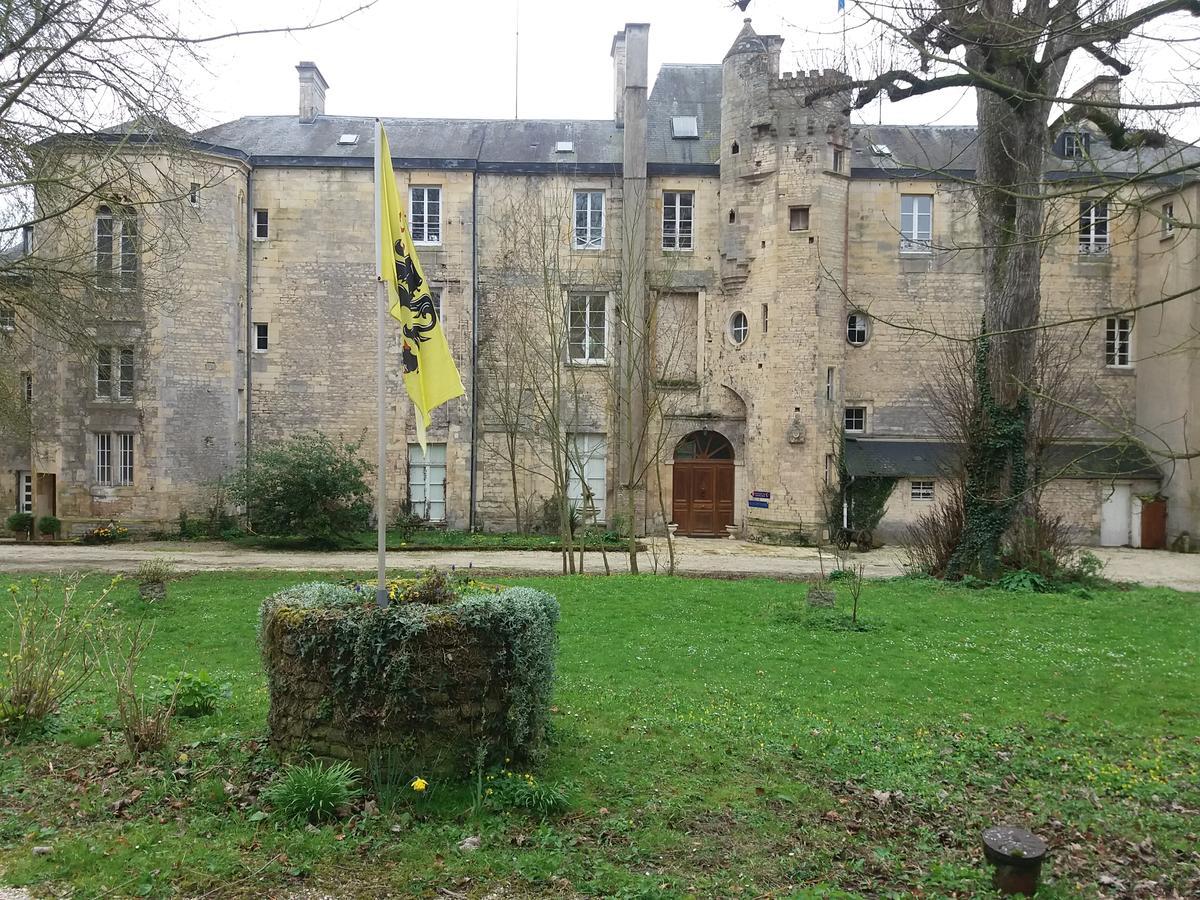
717,738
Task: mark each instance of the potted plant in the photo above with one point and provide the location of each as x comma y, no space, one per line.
21,524
49,527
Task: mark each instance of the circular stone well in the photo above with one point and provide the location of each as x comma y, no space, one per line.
433,682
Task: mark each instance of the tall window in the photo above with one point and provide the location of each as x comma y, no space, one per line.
677,220
1118,342
194,193
262,338
425,214
829,383
586,327
855,419
262,225
27,381
116,248
435,294
114,458
1168,219
8,318
916,223
427,482
114,373
589,220
1093,226
25,492
586,466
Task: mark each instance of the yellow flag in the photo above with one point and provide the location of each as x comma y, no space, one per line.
430,375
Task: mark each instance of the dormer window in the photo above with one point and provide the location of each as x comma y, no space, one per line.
684,128
1075,144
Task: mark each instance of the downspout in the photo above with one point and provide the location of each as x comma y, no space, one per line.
474,343
249,324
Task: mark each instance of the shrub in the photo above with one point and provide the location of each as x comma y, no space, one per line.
47,653
145,719
933,538
20,523
308,486
1023,581
1041,543
193,694
105,534
49,525
313,793
156,570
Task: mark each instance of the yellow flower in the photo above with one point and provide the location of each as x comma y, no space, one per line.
419,784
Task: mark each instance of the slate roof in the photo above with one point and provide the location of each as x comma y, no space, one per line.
493,143
951,149
933,459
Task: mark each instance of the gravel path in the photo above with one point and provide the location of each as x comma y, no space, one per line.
721,558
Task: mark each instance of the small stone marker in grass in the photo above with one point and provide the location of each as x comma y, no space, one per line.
1017,855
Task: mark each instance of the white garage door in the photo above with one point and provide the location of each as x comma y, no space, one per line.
1115,515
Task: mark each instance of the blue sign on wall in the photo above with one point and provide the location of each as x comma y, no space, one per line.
760,504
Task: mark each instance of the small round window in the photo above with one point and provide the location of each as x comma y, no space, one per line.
856,329
739,327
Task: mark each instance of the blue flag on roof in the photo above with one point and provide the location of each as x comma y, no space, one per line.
841,5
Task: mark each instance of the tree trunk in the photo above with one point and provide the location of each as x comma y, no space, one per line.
1011,144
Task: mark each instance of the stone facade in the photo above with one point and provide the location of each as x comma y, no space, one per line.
797,223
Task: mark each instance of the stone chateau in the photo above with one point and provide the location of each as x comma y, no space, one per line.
804,264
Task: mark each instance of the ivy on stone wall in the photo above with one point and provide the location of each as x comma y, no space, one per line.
449,677
866,495
997,475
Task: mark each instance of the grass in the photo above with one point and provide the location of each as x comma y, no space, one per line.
428,539
714,739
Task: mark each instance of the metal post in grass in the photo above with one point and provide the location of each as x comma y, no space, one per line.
1017,856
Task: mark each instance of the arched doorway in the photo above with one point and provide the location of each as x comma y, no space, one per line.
702,484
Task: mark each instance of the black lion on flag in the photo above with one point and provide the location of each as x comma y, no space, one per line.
415,298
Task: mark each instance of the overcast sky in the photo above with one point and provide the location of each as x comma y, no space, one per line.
454,58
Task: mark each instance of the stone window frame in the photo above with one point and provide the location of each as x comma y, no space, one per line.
588,449
858,322
426,229
262,224
733,328
591,235
915,240
114,458
1094,219
588,303
678,237
921,490
848,413
426,465
117,248
800,217
262,337
1118,342
110,361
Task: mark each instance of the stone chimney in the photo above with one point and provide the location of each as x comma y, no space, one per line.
618,60
312,91
774,44
1103,89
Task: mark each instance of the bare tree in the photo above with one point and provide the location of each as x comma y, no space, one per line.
93,108
1013,55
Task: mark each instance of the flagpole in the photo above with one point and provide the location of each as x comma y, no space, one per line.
381,302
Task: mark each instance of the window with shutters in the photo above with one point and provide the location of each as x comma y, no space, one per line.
677,219
586,468
425,214
427,482
589,220
587,327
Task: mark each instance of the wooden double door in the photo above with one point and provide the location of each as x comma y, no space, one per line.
702,485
